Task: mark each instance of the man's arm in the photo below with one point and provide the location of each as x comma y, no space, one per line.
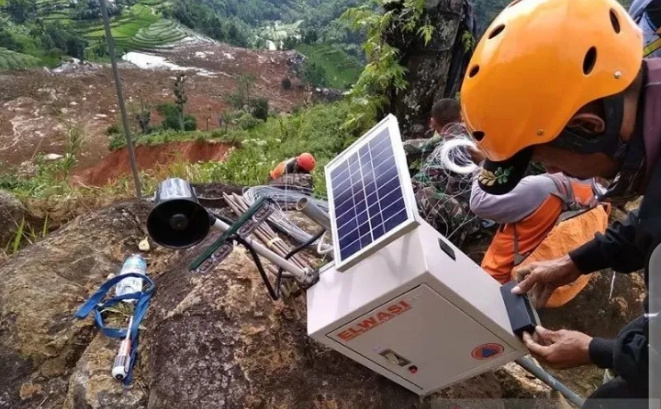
628,354
511,207
615,249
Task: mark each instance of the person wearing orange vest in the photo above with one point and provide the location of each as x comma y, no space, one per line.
540,219
564,83
303,163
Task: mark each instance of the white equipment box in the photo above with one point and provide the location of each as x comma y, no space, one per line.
400,298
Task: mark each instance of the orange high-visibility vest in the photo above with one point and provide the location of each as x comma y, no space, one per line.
562,223
285,167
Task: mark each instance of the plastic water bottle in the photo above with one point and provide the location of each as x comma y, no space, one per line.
134,264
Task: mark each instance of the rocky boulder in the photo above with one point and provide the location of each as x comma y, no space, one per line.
213,341
41,288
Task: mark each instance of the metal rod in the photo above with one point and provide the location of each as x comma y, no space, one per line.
268,254
313,211
120,98
530,366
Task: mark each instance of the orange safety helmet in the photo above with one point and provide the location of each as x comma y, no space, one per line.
306,161
538,63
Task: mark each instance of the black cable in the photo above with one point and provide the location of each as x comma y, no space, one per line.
258,263
291,254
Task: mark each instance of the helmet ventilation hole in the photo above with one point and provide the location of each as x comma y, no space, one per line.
615,21
590,60
474,70
496,31
478,135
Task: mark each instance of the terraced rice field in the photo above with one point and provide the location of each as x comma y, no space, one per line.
10,60
139,28
342,70
158,34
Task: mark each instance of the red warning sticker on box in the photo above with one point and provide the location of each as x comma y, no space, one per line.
487,351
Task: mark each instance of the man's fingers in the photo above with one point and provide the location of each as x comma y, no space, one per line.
546,335
534,347
526,281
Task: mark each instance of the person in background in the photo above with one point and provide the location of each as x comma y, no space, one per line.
564,83
303,164
441,195
445,113
542,218
647,13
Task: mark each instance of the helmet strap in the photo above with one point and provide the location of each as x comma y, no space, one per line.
632,159
629,156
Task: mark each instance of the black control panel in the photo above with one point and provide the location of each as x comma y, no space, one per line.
523,317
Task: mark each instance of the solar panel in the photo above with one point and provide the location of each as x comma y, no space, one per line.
370,194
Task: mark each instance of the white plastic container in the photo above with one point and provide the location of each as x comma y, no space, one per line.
134,264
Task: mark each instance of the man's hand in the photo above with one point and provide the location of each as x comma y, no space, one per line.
477,156
540,279
559,349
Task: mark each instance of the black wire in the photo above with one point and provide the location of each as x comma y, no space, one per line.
258,263
291,254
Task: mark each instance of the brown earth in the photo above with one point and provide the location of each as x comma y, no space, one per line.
37,106
117,163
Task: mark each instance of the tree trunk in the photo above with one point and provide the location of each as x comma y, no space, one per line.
435,70
181,119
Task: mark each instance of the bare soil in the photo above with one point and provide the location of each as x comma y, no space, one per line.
37,106
117,164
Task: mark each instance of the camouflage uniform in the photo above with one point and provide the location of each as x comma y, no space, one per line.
442,196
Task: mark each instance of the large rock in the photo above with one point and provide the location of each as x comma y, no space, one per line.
41,287
214,341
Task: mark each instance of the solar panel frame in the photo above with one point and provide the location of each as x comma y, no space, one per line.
391,126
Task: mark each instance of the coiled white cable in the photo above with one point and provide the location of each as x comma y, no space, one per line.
455,159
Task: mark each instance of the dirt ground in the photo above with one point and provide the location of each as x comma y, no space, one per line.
597,314
148,157
38,106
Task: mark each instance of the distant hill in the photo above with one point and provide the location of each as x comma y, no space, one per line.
51,30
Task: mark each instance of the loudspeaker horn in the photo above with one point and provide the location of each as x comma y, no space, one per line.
178,220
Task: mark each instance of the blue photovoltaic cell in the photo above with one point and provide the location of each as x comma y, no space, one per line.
368,198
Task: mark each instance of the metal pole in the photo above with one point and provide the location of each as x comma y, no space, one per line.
287,265
530,366
120,98
314,213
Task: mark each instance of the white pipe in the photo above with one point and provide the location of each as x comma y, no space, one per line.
296,271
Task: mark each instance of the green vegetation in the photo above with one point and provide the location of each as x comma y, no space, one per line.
10,60
260,148
159,33
340,70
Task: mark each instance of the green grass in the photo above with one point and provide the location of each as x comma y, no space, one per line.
341,69
10,60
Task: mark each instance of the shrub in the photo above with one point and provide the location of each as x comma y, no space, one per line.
260,108
286,83
112,130
171,114
248,122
